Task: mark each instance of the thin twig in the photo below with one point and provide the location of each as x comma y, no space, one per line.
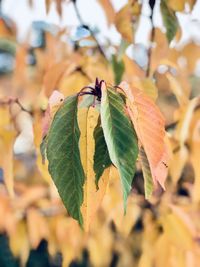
85,26
12,101
152,37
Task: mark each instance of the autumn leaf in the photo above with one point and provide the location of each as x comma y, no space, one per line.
109,10
149,124
91,156
126,20
7,139
148,180
120,137
101,155
64,157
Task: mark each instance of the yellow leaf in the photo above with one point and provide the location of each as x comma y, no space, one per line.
7,139
87,119
177,89
177,231
19,243
54,75
124,20
176,5
159,51
37,227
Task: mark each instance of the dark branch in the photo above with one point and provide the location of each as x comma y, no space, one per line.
152,37
11,101
88,28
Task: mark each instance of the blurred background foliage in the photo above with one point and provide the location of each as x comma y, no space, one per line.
35,229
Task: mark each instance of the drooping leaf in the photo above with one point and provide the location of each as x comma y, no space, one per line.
169,19
101,156
64,157
149,124
120,137
87,120
148,180
126,20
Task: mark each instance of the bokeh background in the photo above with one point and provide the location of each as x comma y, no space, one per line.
65,45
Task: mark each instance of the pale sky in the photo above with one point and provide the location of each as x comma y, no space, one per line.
93,14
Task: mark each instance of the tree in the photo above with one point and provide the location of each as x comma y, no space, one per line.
104,131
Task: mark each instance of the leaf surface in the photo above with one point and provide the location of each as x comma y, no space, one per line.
87,119
120,137
101,155
64,157
149,124
148,180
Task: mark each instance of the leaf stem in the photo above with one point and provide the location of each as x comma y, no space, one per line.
152,37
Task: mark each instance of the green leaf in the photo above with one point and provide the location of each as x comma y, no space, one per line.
148,180
64,157
169,19
87,101
120,137
101,155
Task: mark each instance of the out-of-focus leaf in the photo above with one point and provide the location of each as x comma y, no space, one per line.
64,157
36,234
149,124
169,19
177,89
125,19
120,137
54,74
176,5
7,139
109,10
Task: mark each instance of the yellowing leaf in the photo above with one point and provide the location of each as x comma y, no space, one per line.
176,5
7,139
148,180
177,231
149,124
124,22
92,197
177,89
159,50
19,243
37,227
54,74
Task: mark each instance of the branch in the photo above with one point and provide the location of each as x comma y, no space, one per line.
12,101
152,37
85,26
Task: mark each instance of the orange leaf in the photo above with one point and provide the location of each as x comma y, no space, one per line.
149,125
109,10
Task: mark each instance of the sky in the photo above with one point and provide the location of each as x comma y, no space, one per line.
93,15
